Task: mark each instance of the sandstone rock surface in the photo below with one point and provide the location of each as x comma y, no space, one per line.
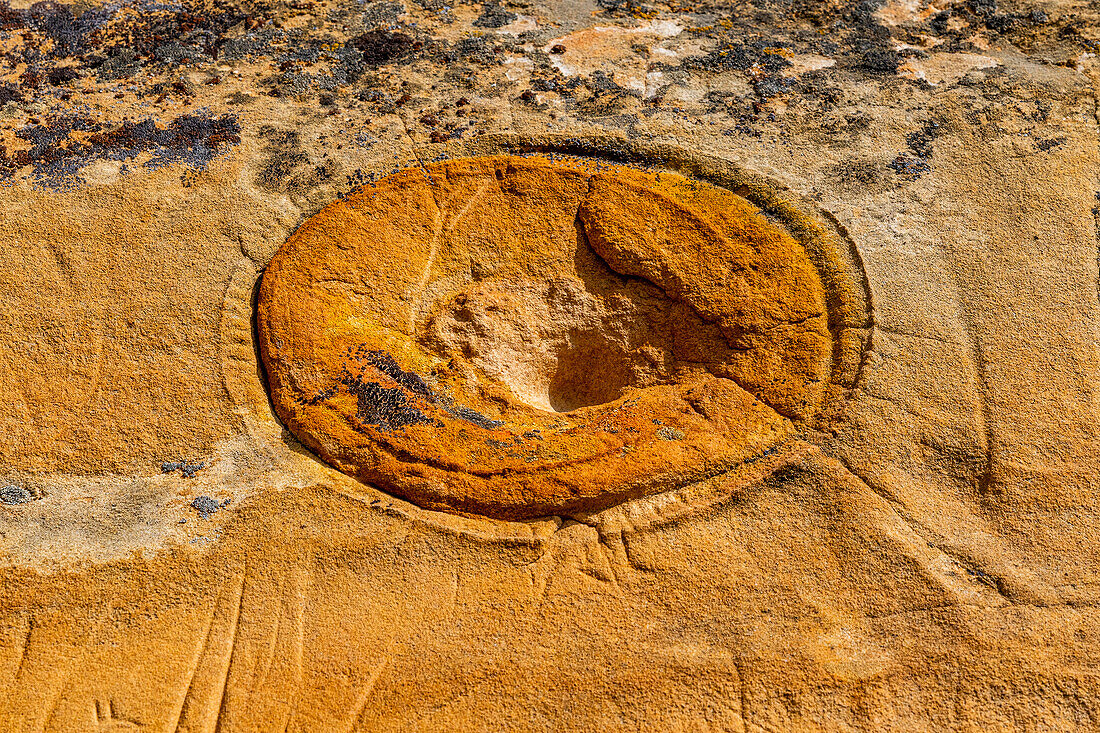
516,338
867,230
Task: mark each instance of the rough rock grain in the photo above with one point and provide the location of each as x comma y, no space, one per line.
921,554
517,338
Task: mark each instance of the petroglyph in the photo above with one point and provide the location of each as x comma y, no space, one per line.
523,336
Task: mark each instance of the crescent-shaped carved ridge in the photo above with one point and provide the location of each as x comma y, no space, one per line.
515,337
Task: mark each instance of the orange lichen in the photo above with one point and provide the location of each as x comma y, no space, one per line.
515,337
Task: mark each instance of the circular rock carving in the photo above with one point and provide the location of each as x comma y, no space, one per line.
515,337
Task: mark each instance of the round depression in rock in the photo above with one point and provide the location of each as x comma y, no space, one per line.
516,337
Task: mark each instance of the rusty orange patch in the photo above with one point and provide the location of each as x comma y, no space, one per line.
516,337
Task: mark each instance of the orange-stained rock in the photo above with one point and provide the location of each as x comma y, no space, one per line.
516,337
923,554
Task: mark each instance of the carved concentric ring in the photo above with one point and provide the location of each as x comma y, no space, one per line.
514,337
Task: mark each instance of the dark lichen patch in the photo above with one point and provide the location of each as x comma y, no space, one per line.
54,22
627,8
61,75
605,97
471,416
920,142
1051,143
187,468
286,167
377,47
667,433
350,61
322,62
736,55
493,15
386,364
387,408
62,146
1028,28
283,155
121,63
381,405
868,41
10,93
881,60
118,40
770,86
389,397
207,505
857,173
169,34
355,51
482,50
909,167
380,14
15,495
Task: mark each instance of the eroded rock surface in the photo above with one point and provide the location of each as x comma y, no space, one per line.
516,337
920,552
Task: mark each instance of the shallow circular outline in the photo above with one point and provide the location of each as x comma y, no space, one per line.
826,242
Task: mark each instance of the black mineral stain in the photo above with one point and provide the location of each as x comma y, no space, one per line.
56,156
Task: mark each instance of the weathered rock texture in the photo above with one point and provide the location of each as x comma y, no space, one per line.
914,546
516,338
